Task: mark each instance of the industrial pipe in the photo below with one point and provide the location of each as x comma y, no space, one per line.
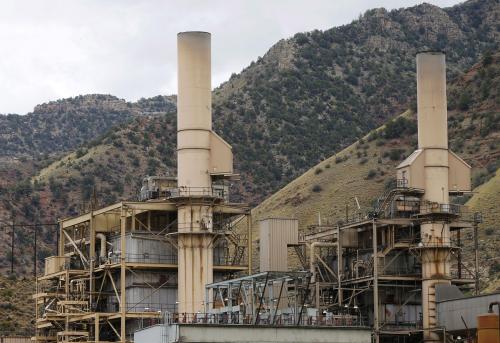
102,238
490,310
490,307
488,325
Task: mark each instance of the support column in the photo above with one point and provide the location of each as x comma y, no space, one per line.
250,243
375,282
459,257
195,270
123,248
97,328
62,241
476,259
92,257
339,267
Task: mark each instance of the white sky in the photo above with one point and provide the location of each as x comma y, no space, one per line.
52,49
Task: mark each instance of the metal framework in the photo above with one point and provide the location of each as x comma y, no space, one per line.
116,269
268,298
386,290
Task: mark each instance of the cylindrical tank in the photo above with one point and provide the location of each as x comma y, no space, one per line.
487,328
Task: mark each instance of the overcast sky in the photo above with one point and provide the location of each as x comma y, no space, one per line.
54,49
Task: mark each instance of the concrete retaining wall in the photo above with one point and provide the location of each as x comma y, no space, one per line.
250,334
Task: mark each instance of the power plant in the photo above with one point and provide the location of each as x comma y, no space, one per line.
176,266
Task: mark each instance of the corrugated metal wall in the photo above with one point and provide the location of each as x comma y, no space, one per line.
275,234
451,312
15,339
146,299
143,249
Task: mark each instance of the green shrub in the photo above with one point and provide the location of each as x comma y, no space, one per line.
317,188
395,154
371,174
301,38
487,58
495,267
399,127
80,152
340,159
464,101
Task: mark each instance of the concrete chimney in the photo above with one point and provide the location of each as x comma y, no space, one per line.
202,157
433,140
194,131
194,109
436,171
431,100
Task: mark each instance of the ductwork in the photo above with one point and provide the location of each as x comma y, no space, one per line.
102,239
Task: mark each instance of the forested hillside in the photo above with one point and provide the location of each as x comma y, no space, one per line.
63,125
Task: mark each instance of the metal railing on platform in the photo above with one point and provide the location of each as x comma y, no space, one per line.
219,260
263,319
199,192
434,207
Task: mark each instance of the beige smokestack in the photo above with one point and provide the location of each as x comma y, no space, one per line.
194,137
435,170
194,109
433,124
431,100
433,140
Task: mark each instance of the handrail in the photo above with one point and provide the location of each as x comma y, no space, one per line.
264,319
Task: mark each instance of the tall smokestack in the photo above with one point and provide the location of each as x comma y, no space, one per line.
432,124
433,139
194,135
431,100
437,171
194,109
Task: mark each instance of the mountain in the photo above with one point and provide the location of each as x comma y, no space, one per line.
364,169
64,125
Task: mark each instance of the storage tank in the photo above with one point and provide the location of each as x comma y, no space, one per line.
488,328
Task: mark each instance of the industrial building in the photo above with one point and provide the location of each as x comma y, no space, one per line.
120,267
177,265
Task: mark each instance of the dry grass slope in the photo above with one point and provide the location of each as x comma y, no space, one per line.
486,200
